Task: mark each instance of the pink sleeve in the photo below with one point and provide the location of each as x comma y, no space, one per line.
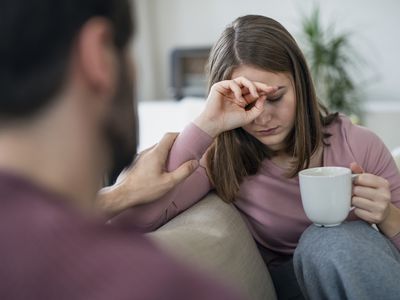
378,160
191,144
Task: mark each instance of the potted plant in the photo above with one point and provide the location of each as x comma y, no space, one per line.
332,61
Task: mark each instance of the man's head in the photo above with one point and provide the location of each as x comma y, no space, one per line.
53,49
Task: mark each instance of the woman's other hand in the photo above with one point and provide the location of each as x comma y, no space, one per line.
372,201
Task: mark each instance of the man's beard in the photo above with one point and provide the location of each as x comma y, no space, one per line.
121,129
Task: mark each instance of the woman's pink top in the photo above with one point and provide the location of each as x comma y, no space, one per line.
269,202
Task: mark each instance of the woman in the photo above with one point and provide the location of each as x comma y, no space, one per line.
261,125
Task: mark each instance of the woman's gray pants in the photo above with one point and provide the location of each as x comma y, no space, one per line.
350,261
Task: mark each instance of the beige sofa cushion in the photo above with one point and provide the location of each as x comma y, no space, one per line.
213,236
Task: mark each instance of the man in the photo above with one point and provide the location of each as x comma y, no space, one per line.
65,116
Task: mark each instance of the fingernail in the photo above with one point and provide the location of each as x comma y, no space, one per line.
195,164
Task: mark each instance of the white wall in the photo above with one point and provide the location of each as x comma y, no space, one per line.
384,120
381,119
165,24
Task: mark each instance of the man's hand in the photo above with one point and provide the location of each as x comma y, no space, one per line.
146,180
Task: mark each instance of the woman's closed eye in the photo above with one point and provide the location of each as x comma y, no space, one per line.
274,98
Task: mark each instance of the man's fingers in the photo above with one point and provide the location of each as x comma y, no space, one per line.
165,145
122,175
141,154
183,172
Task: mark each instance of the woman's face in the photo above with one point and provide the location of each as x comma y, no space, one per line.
277,119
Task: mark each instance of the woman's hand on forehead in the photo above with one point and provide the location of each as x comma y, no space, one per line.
251,90
232,104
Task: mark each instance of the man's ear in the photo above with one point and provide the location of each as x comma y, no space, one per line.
96,55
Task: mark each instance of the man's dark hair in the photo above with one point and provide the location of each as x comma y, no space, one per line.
36,38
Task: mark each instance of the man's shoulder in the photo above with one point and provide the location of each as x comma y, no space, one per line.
72,257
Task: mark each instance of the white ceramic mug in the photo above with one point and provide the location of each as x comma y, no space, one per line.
326,194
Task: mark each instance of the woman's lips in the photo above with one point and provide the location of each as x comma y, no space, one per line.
267,132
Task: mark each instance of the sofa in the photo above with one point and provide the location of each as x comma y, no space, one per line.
212,236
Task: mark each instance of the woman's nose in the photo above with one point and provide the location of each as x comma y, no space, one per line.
264,118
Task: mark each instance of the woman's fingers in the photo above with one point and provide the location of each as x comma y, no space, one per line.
374,217
246,84
256,109
362,203
237,91
265,89
231,91
372,193
365,215
371,180
243,92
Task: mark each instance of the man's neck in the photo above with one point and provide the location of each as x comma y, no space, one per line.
52,157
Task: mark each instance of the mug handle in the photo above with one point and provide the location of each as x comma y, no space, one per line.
354,177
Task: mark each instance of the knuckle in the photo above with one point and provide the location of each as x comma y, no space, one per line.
381,208
383,196
378,218
386,198
189,169
376,195
215,86
386,183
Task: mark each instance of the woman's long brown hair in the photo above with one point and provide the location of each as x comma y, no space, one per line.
263,43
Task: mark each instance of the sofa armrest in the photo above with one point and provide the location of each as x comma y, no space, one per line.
212,236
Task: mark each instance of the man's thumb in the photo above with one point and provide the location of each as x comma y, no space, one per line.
184,171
